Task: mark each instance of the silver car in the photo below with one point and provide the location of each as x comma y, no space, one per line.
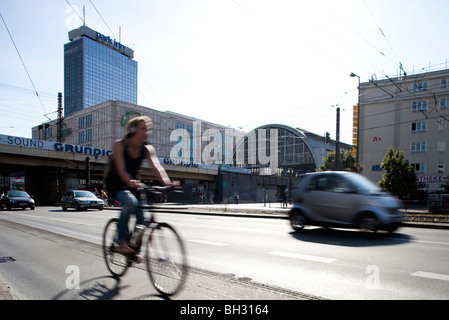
81,200
343,199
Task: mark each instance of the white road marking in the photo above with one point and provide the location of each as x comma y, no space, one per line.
212,243
430,275
303,256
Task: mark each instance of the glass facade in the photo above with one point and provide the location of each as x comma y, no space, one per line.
95,73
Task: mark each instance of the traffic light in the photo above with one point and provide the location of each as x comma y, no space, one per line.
328,139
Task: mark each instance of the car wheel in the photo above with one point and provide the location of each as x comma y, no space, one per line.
77,206
64,208
297,220
369,222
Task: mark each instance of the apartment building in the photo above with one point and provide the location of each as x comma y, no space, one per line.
409,112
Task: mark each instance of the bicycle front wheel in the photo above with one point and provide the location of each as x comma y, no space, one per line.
117,263
166,259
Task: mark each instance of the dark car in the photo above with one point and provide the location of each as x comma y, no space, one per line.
81,200
16,199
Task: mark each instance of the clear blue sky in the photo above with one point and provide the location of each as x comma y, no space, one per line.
241,63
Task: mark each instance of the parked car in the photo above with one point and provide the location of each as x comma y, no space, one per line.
16,199
81,200
343,199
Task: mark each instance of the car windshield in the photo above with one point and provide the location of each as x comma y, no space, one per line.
362,184
84,194
18,194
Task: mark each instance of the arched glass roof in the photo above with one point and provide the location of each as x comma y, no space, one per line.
288,145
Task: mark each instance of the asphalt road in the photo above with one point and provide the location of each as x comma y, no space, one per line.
230,258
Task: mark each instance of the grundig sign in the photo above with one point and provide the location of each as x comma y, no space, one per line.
51,145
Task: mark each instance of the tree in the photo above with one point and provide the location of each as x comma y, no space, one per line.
400,177
347,162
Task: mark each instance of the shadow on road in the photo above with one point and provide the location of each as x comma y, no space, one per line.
100,288
350,238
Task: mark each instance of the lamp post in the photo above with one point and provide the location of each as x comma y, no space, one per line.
352,75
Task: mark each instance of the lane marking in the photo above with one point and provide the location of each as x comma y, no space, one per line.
212,243
431,275
303,256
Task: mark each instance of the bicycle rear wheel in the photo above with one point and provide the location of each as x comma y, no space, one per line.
117,263
166,259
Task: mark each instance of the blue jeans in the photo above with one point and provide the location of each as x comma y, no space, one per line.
129,203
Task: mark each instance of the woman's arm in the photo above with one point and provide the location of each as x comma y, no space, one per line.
158,170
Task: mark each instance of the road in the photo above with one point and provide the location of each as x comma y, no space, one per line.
230,258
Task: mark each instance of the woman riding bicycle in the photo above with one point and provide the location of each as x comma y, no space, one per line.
126,159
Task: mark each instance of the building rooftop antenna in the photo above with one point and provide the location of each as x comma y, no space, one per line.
84,15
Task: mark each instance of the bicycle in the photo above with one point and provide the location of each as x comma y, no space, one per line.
165,254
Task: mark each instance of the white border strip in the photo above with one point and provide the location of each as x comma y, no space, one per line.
430,275
303,256
212,243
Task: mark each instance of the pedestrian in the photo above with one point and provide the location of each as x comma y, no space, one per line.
284,199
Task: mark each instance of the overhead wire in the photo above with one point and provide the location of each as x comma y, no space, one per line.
102,18
23,64
381,31
76,12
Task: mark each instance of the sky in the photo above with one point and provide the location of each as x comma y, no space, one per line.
242,63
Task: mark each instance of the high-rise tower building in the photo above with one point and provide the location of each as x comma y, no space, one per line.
97,69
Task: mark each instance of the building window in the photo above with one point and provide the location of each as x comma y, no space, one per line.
419,127
418,106
441,125
81,124
88,135
443,103
441,147
440,167
88,120
85,122
80,137
419,167
421,86
443,83
418,147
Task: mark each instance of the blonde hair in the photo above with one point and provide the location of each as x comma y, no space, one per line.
131,125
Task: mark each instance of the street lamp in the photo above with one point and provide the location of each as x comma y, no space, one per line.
352,75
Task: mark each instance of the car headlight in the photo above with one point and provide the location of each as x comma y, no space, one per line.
31,201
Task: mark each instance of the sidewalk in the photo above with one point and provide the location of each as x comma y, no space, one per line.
5,293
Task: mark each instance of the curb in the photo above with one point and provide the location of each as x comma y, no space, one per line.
277,213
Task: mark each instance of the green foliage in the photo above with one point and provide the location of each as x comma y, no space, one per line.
347,162
400,177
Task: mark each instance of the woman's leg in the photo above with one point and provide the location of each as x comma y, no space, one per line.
129,204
